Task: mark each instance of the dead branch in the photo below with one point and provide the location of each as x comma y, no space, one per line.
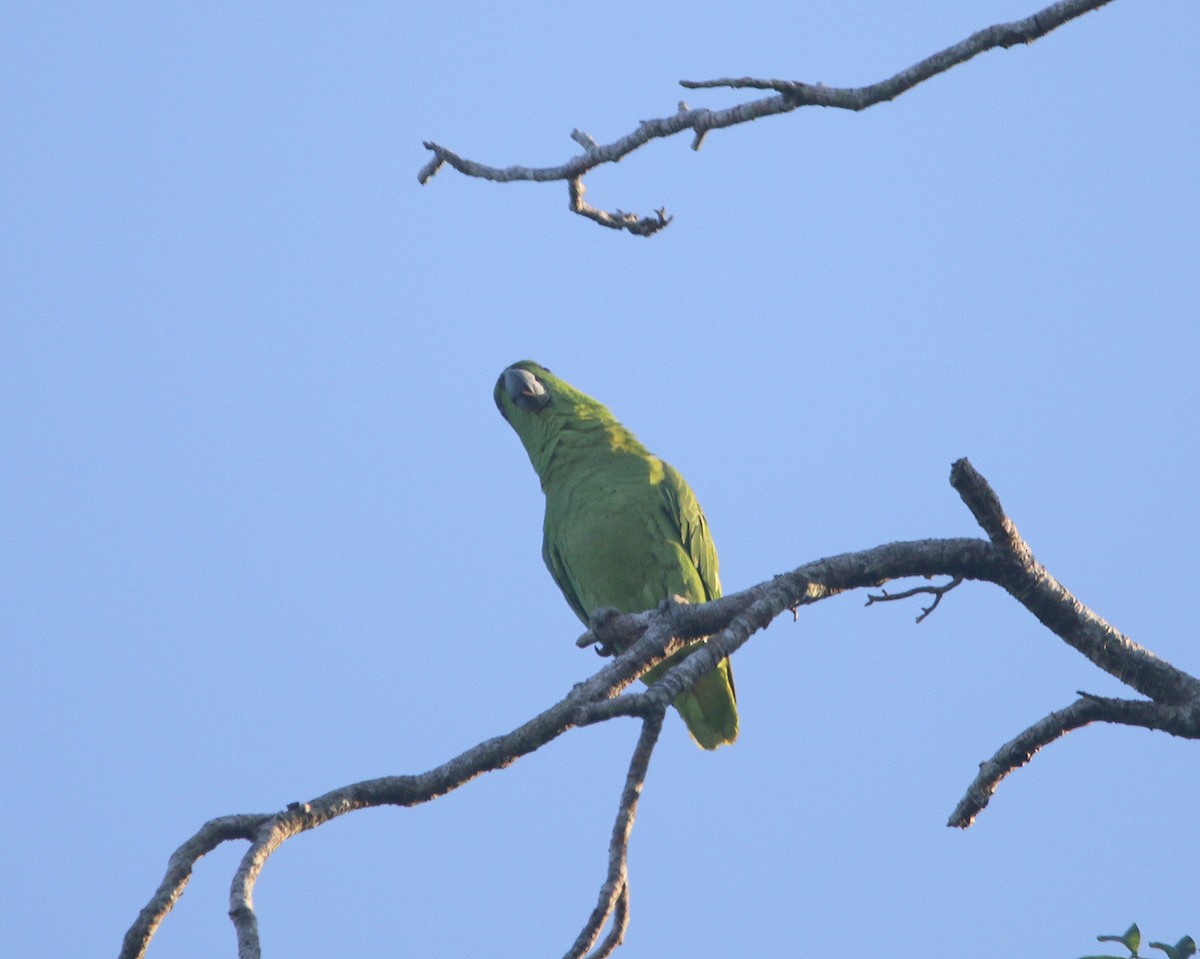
614,894
1084,711
789,95
937,592
1172,704
1029,582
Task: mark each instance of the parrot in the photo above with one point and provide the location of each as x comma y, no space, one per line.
622,528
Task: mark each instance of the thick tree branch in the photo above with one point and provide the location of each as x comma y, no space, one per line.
790,95
1033,587
714,631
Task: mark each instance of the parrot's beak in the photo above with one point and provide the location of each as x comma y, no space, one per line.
525,389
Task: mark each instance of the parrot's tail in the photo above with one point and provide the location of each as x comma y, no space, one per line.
710,708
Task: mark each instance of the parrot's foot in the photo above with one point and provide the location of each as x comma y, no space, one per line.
594,637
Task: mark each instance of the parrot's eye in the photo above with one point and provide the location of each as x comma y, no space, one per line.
525,389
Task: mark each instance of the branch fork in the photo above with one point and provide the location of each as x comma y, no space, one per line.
1171,704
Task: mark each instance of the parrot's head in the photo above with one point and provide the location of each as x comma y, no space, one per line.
549,414
524,387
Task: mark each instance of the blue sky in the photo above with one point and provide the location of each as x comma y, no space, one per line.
266,534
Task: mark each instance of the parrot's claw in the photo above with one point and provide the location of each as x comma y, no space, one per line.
590,639
594,636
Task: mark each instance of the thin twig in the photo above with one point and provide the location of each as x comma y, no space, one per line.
614,893
618,219
936,591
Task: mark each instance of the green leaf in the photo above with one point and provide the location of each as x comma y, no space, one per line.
1184,948
1131,940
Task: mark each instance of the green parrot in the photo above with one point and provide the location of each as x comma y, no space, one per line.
622,528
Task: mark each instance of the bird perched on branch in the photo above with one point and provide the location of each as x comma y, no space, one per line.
622,528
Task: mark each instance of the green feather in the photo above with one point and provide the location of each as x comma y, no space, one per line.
622,528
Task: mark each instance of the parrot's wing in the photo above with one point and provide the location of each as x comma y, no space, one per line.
562,576
710,707
689,520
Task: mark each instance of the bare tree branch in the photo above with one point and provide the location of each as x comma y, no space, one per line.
1173,703
1028,582
614,894
790,95
937,592
1084,711
179,871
